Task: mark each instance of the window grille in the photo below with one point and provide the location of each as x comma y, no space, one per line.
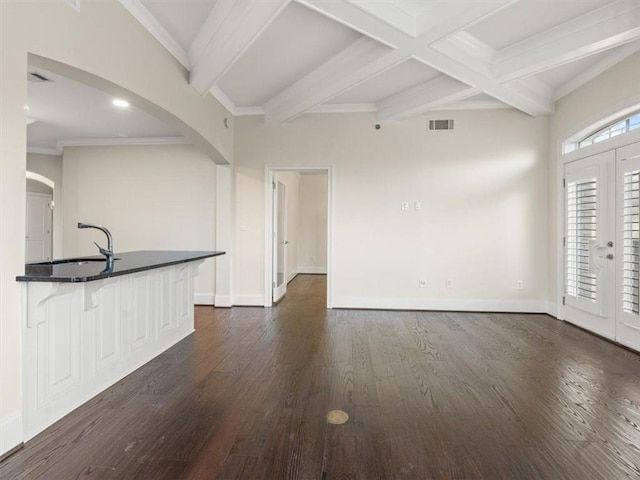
581,232
618,128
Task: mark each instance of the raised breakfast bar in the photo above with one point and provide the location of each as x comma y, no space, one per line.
91,321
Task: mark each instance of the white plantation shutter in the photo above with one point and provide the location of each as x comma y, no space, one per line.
630,241
582,221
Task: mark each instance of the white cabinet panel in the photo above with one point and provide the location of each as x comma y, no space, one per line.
80,338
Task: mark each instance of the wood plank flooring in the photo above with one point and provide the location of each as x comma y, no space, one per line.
430,395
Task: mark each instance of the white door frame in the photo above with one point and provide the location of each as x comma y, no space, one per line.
270,170
612,144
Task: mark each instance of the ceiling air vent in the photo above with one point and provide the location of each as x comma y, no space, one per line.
36,77
440,124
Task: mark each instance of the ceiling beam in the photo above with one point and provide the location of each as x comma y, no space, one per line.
602,29
427,96
451,21
358,62
155,28
230,29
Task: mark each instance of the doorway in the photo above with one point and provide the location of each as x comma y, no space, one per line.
602,244
38,221
297,237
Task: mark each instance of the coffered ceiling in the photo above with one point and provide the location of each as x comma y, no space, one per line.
399,58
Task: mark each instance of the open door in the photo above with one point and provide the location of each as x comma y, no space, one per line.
279,242
38,227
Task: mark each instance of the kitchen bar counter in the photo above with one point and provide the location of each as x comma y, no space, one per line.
86,326
90,268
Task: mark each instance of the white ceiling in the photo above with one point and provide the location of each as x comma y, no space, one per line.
399,58
65,112
283,58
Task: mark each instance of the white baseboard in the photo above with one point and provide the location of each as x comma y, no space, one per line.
11,432
204,298
316,270
552,309
222,301
292,275
249,300
453,305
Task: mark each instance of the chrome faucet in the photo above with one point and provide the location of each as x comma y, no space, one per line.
108,252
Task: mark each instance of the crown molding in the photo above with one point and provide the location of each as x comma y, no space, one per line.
155,28
104,142
44,150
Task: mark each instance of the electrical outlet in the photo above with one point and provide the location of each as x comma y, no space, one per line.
449,283
404,206
422,284
519,284
417,205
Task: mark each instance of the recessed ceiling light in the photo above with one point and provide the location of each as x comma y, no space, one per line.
26,107
118,102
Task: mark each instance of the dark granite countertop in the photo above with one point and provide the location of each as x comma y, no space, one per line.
89,268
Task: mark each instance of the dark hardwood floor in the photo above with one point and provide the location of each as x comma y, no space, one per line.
429,395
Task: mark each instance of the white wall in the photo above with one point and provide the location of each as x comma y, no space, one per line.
50,166
606,94
312,227
149,197
104,40
483,190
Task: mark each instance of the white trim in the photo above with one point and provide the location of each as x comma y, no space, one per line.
595,123
292,275
11,432
592,72
600,147
42,179
44,151
155,28
453,305
223,301
270,170
248,300
101,142
312,270
204,298
552,309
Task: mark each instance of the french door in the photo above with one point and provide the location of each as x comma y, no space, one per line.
601,240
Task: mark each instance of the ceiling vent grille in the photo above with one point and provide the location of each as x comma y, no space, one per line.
36,77
440,124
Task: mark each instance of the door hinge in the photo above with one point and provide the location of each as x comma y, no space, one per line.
563,300
564,183
273,185
564,241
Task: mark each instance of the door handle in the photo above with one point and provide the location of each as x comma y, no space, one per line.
610,256
610,244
